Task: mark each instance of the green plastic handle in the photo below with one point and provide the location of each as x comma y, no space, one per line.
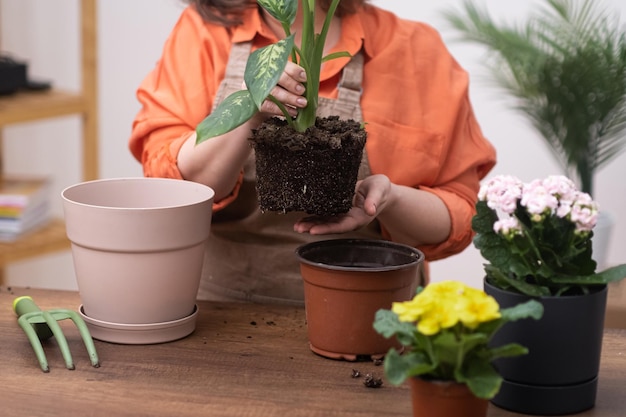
24,305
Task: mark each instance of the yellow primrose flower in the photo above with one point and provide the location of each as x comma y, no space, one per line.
477,307
442,305
408,311
444,336
436,318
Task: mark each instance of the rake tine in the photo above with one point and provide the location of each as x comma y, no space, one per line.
40,325
34,342
86,336
61,340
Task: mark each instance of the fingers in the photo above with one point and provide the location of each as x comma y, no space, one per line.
292,79
327,225
372,193
289,91
371,197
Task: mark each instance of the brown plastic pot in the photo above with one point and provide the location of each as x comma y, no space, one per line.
445,399
346,281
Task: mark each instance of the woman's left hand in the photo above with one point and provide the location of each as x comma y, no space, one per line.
371,197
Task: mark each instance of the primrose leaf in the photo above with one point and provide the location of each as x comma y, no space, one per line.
481,378
387,324
282,10
399,367
264,68
235,110
508,351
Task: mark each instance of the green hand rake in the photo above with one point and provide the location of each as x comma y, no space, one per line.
41,325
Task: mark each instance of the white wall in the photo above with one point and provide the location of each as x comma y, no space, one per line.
131,34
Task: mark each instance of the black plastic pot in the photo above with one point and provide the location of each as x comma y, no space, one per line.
560,373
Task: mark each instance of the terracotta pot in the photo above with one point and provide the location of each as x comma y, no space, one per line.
137,247
553,378
445,399
346,281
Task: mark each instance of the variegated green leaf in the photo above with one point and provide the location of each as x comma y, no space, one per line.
235,110
282,10
264,68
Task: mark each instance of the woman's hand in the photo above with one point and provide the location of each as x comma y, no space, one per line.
409,215
371,197
288,91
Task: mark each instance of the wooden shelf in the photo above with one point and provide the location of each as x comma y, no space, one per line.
31,106
47,239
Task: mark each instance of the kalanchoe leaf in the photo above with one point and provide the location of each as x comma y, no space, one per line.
521,286
235,110
613,274
264,68
483,220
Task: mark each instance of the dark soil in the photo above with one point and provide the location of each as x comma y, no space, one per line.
314,172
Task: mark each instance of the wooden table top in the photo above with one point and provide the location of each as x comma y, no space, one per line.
242,360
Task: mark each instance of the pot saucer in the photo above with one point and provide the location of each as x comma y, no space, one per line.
140,334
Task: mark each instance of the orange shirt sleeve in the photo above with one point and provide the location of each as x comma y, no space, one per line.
178,93
421,127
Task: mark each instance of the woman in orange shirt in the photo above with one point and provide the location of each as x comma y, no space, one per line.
424,158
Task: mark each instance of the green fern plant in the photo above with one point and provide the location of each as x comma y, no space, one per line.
265,65
566,66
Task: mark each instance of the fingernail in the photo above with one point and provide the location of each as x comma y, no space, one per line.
299,88
301,101
303,75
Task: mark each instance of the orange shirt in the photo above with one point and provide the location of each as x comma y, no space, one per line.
421,128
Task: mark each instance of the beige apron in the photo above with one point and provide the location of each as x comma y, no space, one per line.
250,255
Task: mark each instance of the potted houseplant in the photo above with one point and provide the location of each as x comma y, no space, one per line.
536,238
446,329
566,68
292,154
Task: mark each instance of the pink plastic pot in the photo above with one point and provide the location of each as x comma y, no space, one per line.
137,247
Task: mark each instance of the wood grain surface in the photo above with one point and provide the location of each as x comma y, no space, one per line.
242,360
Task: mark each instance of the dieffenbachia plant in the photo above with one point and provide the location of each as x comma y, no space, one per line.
265,66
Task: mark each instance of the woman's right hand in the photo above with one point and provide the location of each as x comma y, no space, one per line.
289,91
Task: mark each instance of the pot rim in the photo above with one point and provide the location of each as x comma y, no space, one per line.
202,194
593,289
414,255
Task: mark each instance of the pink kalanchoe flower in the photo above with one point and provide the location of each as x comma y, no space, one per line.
561,187
538,200
508,227
584,213
501,193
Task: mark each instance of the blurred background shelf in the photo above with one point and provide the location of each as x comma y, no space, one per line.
31,106
46,239
25,107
